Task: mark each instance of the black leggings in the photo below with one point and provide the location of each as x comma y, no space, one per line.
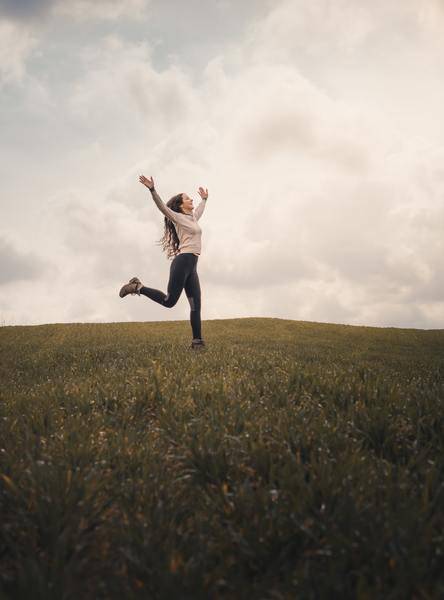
183,274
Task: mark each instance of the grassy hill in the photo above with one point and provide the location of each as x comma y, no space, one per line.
288,459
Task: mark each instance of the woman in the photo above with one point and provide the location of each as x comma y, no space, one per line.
181,239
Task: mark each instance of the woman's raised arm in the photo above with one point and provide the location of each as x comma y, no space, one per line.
149,183
199,210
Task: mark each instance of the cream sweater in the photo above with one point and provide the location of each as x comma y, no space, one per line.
187,227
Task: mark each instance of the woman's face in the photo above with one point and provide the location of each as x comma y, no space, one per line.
187,203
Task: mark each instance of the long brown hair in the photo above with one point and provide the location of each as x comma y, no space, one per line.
170,239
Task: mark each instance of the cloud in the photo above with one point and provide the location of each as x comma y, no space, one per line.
80,10
24,9
316,35
119,77
292,116
16,265
83,10
16,45
323,164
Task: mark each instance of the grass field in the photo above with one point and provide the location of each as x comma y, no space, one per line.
288,459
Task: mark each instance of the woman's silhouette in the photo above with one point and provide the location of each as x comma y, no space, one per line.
181,239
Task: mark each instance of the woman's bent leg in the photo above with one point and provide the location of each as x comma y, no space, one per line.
154,294
179,270
192,290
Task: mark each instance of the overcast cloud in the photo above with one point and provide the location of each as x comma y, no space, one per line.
316,128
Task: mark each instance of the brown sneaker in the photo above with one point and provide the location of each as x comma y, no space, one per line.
132,287
196,344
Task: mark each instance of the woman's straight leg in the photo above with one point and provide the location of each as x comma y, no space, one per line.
193,292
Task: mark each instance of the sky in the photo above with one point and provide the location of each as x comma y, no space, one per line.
317,128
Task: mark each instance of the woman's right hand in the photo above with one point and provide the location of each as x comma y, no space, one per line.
148,181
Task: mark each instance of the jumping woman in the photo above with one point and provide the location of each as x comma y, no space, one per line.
181,239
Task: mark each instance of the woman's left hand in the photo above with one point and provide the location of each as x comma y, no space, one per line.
203,193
